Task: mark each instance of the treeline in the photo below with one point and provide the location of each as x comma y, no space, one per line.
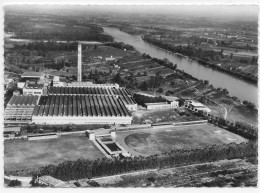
120,45
202,56
48,46
240,128
74,170
142,99
249,104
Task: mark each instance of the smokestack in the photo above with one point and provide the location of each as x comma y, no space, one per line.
79,63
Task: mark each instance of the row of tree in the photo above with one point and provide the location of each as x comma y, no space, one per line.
240,128
74,170
120,45
48,46
92,33
205,57
142,99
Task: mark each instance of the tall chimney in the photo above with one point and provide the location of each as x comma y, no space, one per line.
79,63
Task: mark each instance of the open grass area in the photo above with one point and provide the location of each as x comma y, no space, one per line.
162,115
153,141
22,155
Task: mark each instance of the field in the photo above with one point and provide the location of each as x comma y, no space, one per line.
21,155
162,115
153,141
226,173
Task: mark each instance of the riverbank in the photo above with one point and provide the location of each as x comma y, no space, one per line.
231,72
243,90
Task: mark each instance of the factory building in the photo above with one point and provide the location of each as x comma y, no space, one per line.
79,63
120,93
33,89
196,106
59,81
20,107
170,102
70,103
81,109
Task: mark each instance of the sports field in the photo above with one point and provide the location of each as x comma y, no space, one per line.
21,155
153,141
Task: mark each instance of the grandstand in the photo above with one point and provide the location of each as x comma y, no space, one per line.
20,107
121,93
81,109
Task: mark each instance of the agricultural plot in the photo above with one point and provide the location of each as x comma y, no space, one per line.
226,173
23,155
152,141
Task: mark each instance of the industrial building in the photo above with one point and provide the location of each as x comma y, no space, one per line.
33,89
20,107
120,93
70,103
81,109
196,106
170,102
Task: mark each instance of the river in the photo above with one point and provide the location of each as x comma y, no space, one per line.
236,87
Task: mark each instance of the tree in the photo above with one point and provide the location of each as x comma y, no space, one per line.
206,82
139,74
174,67
144,86
225,91
118,78
160,90
231,56
15,183
253,60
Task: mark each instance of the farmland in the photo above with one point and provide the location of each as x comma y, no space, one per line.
31,154
154,141
226,173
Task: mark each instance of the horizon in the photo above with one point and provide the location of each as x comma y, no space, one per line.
230,12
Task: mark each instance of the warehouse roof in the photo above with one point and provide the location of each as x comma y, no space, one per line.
12,129
22,100
31,74
170,98
80,105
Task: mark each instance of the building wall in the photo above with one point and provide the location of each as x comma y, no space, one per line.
163,106
20,84
32,91
174,104
132,107
80,120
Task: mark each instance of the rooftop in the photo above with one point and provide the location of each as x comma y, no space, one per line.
196,104
170,98
32,74
24,79
160,103
12,129
33,86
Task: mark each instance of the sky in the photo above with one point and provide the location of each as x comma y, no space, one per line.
237,12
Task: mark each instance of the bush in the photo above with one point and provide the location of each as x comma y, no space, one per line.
15,183
93,183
